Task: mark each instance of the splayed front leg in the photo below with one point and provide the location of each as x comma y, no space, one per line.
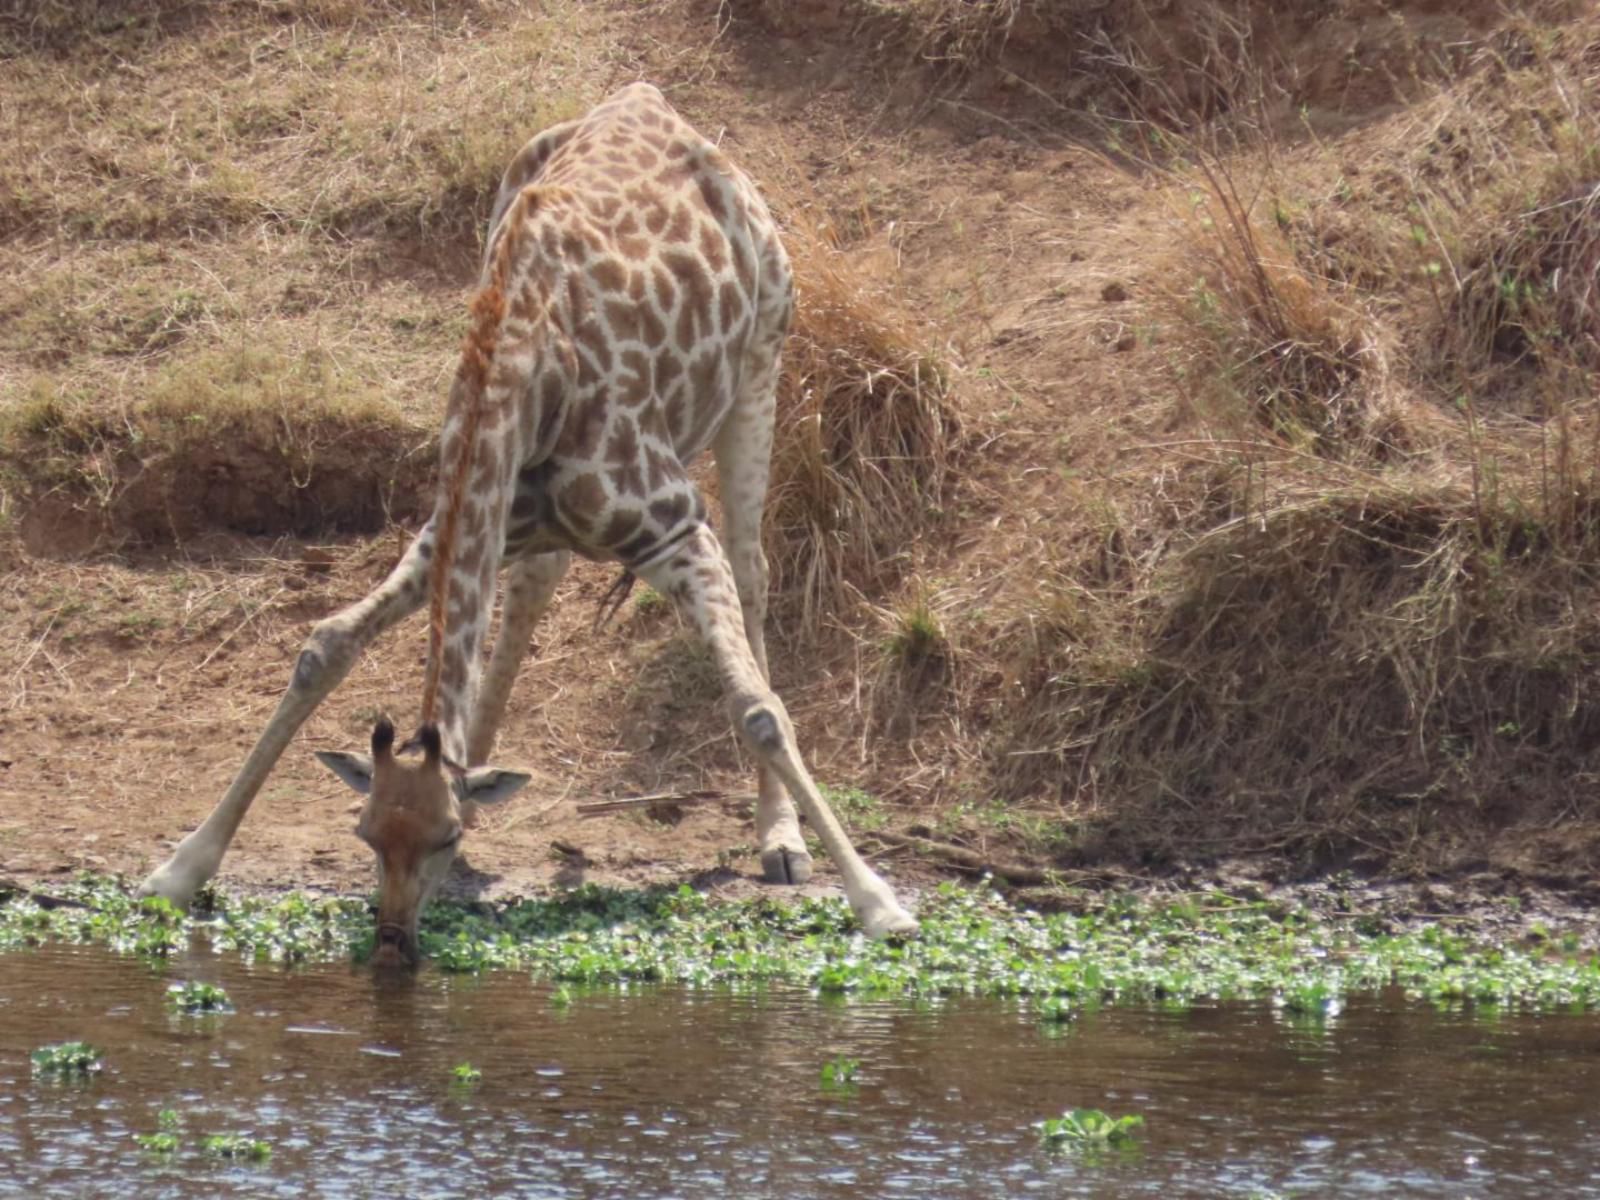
697,578
329,653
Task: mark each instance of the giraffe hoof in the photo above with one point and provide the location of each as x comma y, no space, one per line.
890,923
783,865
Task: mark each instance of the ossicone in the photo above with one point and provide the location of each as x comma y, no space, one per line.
382,738
428,738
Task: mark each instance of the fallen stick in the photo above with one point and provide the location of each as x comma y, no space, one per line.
968,860
599,808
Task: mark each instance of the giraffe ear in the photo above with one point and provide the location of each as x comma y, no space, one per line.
354,769
490,785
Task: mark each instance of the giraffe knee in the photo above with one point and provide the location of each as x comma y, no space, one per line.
763,727
330,648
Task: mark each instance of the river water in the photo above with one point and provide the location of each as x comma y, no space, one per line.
664,1092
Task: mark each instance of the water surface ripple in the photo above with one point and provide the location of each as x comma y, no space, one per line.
664,1092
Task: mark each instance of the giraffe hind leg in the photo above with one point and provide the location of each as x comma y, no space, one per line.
530,583
697,578
743,450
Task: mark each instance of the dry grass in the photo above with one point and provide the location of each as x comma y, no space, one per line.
1360,630
1263,343
1367,673
255,437
865,437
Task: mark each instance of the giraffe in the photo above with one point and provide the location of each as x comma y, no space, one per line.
632,307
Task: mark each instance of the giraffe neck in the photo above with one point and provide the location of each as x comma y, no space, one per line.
469,518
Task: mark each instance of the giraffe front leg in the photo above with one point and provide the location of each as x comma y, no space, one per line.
327,657
696,576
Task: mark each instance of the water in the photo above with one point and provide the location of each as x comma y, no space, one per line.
659,1092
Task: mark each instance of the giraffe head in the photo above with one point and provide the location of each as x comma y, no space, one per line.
412,819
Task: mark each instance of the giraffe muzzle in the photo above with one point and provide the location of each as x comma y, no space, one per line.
394,948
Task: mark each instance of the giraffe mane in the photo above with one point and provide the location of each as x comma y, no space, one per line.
488,310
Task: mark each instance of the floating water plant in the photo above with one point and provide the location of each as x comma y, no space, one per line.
195,997
1089,1128
237,1146
167,1138
1054,1010
65,1059
840,1073
466,1073
1127,950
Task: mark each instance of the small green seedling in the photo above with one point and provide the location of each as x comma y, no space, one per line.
467,1073
67,1059
1089,1129
194,997
166,1140
840,1073
236,1146
1053,1010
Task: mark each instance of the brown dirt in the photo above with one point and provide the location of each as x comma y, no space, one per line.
133,682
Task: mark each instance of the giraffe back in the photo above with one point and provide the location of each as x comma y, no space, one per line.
659,270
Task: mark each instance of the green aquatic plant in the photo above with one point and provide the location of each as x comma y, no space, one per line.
1089,1128
466,1073
195,997
236,1146
840,1073
1119,949
64,1059
167,1138
1056,1010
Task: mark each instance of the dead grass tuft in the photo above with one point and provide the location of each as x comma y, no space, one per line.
1262,343
865,437
1374,672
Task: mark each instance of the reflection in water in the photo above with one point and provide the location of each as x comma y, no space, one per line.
664,1092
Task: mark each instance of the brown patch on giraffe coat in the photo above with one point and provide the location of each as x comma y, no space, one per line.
623,319
658,468
580,438
690,274
633,381
681,227
661,284
744,269
623,525
609,275
713,248
583,498
623,452
594,351
730,305
711,195
670,511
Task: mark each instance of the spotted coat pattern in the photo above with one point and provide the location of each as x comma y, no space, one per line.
632,308
645,289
